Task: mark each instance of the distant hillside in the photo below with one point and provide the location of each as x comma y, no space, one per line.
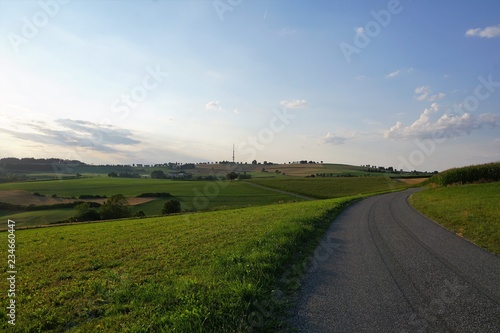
37,164
489,172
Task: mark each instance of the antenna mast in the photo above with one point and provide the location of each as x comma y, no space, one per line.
233,152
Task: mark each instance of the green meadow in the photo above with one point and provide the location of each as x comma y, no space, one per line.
193,195
324,188
471,211
236,247
201,272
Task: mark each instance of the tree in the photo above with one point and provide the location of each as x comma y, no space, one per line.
112,174
254,162
115,207
157,174
140,214
231,176
85,213
171,207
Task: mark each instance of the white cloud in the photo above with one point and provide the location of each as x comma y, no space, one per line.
213,105
359,30
448,125
286,31
424,93
398,72
488,32
336,139
393,74
294,104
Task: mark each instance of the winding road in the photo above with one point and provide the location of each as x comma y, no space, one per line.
387,268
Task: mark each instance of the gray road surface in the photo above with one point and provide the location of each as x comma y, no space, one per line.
387,268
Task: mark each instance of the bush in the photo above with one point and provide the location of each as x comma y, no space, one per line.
232,176
115,207
171,207
140,214
85,213
157,174
154,195
90,196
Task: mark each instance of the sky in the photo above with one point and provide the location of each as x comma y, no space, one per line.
409,84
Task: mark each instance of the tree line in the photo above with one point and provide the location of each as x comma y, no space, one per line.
117,207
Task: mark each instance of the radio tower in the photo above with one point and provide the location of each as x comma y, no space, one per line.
233,153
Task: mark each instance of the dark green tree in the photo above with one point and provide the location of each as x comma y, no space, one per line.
115,207
85,213
157,174
231,176
140,214
171,207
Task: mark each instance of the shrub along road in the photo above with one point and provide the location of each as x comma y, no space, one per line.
393,270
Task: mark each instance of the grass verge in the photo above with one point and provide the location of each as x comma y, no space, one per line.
471,211
200,272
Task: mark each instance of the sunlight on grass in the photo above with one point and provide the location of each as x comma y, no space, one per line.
187,273
471,211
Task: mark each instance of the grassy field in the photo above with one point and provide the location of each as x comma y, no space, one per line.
32,218
202,272
324,188
471,211
193,195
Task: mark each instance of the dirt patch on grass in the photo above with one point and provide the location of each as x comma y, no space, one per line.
25,198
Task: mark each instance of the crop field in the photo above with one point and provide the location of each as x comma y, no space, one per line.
196,272
471,211
193,195
324,188
32,218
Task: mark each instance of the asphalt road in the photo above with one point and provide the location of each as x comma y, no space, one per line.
383,267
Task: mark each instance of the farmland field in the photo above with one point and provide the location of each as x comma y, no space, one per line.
193,195
324,188
186,273
471,211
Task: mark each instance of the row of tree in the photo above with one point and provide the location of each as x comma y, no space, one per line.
117,207
124,175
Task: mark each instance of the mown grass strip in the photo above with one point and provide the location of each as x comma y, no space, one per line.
189,273
471,211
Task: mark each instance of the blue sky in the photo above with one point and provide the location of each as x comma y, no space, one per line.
408,84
